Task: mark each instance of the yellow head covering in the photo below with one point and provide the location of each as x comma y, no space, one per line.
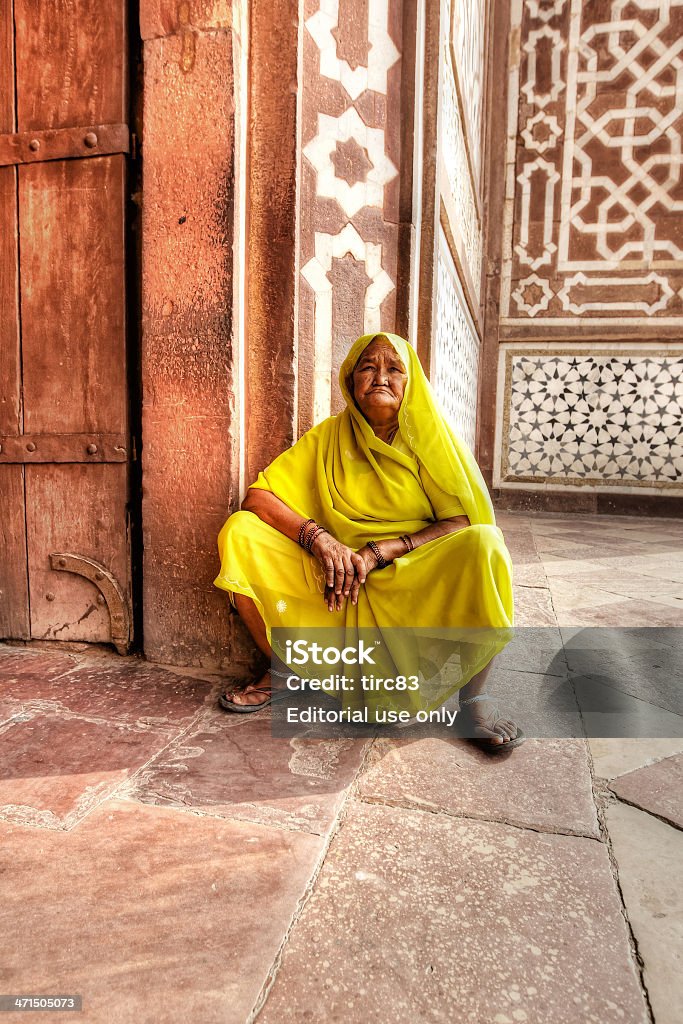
355,484
425,430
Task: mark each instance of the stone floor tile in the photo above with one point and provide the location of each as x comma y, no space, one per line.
419,917
528,567
614,669
667,596
543,704
56,768
614,757
8,709
19,663
154,916
510,520
610,712
646,562
534,607
232,766
558,549
660,565
536,649
657,788
622,584
123,690
544,784
565,567
576,600
606,545
649,856
572,594
623,612
545,524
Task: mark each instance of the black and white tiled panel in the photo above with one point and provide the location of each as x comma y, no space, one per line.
608,418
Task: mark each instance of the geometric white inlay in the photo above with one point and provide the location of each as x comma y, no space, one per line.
545,11
616,211
327,248
619,302
554,132
382,56
558,45
456,349
543,300
542,168
332,130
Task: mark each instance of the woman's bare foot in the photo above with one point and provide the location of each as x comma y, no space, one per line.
483,720
256,693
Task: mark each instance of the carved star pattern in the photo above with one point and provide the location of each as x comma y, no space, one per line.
600,418
351,161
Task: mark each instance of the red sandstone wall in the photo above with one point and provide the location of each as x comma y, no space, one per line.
190,459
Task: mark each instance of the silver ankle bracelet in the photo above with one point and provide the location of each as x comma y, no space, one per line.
281,675
471,700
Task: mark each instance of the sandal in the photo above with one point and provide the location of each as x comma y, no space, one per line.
484,742
242,684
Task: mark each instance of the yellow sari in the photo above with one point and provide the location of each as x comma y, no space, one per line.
360,488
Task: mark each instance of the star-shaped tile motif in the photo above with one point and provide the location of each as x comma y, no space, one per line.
351,161
603,418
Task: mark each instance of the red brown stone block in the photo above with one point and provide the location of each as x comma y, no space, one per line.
190,465
174,17
152,915
56,768
656,788
231,766
271,238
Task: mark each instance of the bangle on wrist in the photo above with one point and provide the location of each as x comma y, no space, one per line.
408,541
313,535
302,530
381,560
308,534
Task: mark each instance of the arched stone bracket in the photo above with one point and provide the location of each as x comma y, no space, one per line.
109,587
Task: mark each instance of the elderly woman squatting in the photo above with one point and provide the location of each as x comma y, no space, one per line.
379,515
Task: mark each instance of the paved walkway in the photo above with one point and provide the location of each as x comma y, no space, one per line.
172,863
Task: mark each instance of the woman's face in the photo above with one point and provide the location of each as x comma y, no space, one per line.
379,380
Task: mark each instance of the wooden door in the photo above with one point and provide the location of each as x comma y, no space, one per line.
64,424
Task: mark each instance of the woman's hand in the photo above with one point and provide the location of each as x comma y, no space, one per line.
369,558
344,568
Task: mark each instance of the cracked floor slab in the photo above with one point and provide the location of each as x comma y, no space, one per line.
543,784
56,768
120,689
614,757
421,917
649,857
657,788
23,663
232,766
152,915
425,908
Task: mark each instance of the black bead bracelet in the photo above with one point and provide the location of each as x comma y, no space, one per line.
381,560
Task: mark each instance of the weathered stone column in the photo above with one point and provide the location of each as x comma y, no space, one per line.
271,363
191,345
